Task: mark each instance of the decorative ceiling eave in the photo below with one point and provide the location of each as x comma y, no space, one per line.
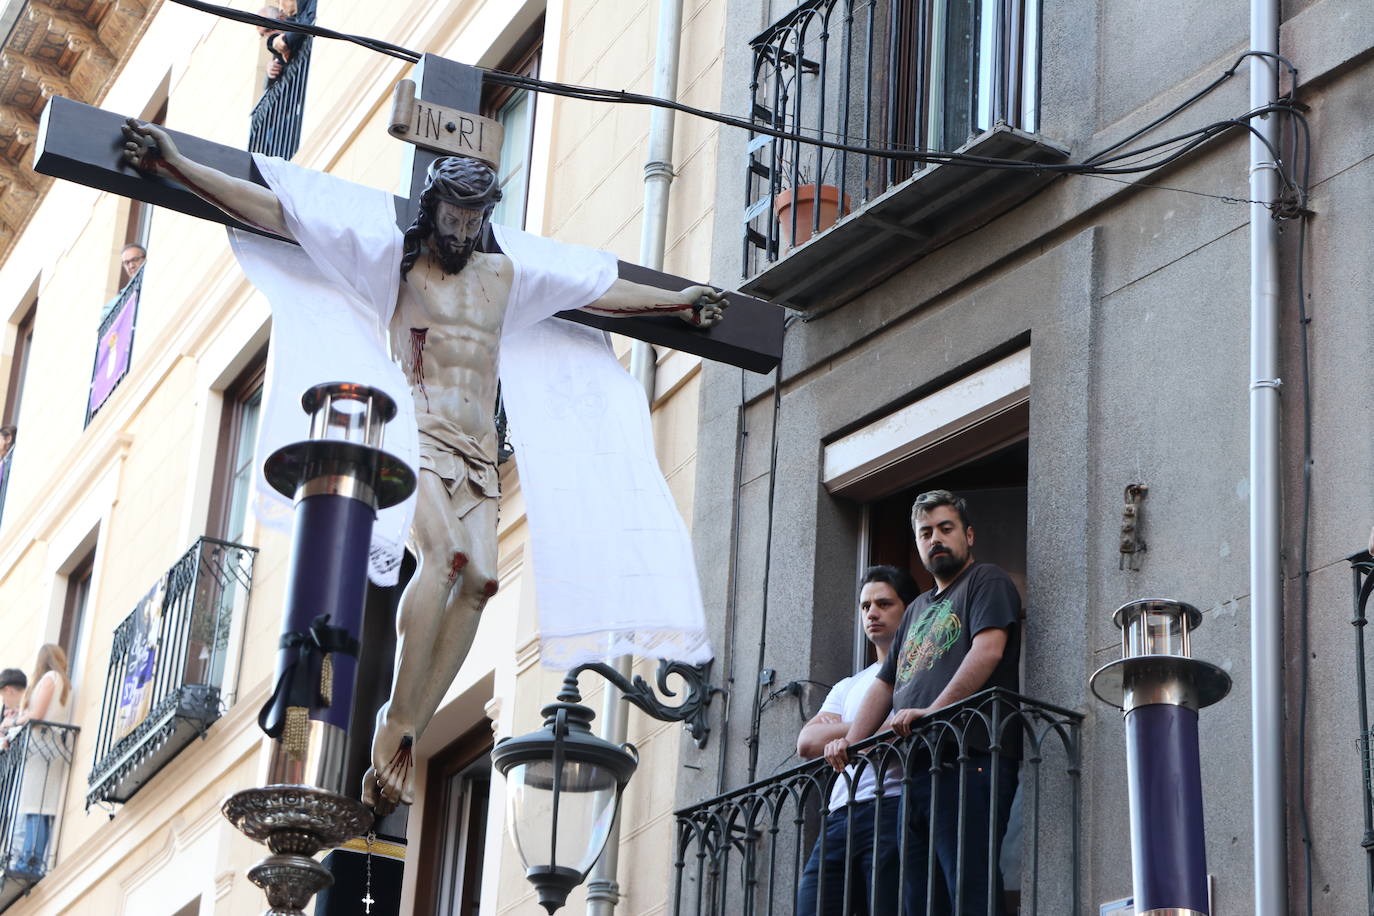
74,48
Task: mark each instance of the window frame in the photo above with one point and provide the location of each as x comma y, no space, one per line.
236,396
19,365
138,225
76,606
525,59
436,832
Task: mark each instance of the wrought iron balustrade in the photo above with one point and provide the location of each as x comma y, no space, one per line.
167,663
33,787
905,74
744,853
275,126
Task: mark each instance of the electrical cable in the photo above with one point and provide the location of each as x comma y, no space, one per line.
1303,324
1092,165
278,25
1200,94
732,603
767,571
1304,350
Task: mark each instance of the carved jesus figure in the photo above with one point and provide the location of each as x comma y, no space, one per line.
445,333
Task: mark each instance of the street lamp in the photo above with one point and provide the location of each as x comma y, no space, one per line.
563,784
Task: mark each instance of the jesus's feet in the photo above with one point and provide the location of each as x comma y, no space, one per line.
391,779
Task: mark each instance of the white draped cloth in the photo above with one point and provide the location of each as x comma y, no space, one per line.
612,560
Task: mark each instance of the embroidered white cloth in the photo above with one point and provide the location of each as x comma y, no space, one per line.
613,565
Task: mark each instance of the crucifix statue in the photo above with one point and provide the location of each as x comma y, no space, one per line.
444,304
445,330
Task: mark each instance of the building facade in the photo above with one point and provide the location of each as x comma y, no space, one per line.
129,535
1039,342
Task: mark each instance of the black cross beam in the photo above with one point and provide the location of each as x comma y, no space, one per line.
84,144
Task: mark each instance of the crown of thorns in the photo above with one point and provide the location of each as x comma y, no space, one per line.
469,183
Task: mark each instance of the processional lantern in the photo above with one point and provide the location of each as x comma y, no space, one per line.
338,479
1160,687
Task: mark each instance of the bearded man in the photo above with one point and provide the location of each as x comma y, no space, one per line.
451,313
954,640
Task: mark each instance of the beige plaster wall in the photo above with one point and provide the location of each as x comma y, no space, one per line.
139,476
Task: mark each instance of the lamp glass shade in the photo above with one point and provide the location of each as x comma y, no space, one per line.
1156,631
577,800
345,412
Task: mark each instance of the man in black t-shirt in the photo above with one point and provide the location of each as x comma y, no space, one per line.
956,639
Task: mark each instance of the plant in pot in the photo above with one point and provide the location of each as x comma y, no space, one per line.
806,198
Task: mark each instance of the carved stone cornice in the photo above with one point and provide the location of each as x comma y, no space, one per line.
72,48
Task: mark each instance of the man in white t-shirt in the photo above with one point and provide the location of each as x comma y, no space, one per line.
861,827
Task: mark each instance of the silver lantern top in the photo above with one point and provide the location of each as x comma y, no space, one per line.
1157,664
348,412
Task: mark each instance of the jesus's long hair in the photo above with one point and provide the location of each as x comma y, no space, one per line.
460,180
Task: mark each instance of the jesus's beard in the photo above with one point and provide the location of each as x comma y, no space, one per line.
451,254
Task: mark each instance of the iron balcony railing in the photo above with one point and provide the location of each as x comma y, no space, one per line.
33,785
745,852
275,126
904,74
114,345
167,666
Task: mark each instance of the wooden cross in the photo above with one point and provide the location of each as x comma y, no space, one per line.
84,144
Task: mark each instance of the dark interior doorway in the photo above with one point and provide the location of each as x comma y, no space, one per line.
994,486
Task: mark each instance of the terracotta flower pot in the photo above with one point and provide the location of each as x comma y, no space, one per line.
806,199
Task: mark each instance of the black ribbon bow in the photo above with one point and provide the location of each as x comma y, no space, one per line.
298,684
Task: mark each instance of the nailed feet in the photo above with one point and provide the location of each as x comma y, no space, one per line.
391,778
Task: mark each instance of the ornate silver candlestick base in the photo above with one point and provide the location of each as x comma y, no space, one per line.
295,822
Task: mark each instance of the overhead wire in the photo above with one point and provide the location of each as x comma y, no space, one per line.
1092,165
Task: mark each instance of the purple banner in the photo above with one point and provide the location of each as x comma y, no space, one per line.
140,661
112,352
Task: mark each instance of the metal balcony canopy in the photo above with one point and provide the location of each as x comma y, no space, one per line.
905,223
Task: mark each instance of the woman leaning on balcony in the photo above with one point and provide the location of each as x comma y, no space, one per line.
47,700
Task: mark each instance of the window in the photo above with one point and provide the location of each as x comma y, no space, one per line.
514,109
454,829
19,367
71,636
908,74
275,125
140,219
238,433
970,436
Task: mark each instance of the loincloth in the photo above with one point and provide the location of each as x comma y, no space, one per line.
466,464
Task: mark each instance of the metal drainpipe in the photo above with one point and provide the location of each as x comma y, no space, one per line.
603,891
1266,603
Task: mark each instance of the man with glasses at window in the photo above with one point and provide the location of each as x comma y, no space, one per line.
132,258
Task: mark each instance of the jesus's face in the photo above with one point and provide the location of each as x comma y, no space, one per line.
456,231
